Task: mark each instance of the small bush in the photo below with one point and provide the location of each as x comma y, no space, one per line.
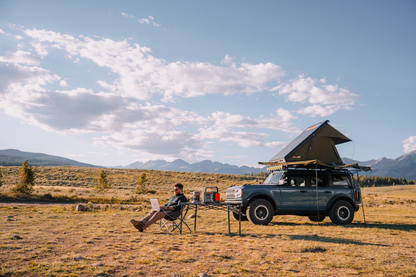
103,184
141,184
27,180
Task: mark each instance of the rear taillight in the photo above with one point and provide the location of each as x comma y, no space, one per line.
357,195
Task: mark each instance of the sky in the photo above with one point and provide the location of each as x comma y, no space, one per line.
114,82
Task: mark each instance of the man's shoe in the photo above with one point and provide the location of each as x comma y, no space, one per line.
137,224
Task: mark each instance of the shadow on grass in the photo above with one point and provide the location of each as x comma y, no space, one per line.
393,226
331,240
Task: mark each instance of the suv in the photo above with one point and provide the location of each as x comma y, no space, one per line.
294,192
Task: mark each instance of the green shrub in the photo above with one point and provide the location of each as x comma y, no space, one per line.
27,180
103,184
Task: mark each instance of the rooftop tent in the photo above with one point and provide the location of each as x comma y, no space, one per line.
317,142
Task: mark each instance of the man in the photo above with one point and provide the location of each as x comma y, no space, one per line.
172,209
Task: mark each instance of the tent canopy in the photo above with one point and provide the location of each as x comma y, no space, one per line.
317,142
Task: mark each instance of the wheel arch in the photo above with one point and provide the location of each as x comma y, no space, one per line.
265,197
335,199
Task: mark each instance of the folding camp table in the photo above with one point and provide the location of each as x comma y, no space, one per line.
211,206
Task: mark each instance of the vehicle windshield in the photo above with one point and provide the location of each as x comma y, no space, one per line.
273,178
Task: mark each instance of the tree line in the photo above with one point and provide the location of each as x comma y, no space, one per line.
375,181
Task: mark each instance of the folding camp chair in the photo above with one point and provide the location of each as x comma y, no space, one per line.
175,220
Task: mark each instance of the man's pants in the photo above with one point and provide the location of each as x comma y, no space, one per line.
154,216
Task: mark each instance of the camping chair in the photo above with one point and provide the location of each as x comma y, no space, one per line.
175,220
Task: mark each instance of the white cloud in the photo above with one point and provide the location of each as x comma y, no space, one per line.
324,99
20,57
2,32
63,83
18,37
227,59
141,74
148,20
106,86
40,50
409,144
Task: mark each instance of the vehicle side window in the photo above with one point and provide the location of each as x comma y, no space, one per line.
295,181
340,180
322,181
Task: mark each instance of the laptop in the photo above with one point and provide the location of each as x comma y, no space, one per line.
155,204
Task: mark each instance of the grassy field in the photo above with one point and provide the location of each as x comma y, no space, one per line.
55,240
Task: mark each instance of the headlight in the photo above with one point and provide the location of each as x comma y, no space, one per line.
238,193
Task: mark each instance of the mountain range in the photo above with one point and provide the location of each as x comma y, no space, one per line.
205,166
14,157
404,166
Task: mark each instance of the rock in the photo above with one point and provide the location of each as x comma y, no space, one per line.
16,237
139,210
98,264
115,214
80,208
53,216
191,216
30,217
9,216
9,219
263,262
203,275
78,258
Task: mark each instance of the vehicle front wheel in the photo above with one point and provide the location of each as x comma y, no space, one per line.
341,213
235,216
314,218
260,212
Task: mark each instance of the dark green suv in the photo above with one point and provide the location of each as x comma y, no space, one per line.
315,193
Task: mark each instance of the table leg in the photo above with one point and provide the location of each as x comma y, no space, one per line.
196,210
228,212
239,220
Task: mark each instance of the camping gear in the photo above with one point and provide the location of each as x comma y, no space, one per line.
196,197
317,142
210,195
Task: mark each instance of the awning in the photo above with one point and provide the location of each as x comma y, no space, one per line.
277,166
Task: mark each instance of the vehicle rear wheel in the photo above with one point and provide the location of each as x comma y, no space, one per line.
235,216
341,213
314,218
260,212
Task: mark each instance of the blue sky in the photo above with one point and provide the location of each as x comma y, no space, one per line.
110,83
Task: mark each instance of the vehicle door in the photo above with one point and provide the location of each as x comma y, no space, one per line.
293,191
321,195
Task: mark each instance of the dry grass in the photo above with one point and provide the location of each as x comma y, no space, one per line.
53,236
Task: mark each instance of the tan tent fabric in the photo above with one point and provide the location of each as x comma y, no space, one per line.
277,166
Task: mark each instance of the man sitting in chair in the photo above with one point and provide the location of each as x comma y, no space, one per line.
171,209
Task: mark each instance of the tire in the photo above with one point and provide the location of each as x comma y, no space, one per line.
314,218
341,213
235,216
260,212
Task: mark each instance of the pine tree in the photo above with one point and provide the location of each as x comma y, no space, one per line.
141,184
102,184
27,179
